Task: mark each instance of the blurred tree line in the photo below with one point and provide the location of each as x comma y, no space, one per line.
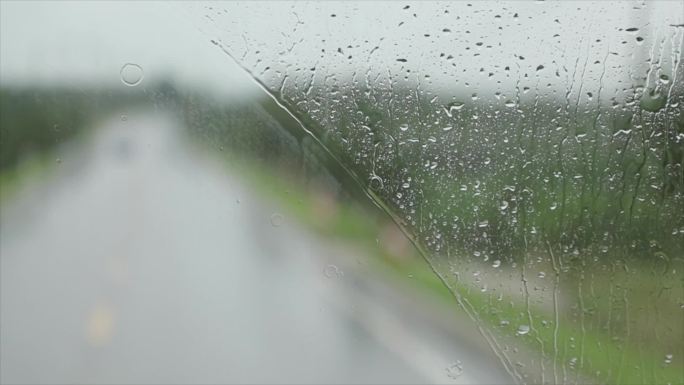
473,175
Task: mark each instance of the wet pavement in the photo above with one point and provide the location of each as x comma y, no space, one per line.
138,260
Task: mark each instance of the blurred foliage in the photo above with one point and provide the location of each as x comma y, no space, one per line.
582,177
35,120
605,198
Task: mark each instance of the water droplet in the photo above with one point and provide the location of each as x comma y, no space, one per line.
452,107
332,271
131,74
522,330
124,118
58,160
504,205
403,127
375,183
509,103
277,219
455,370
541,274
653,101
668,359
664,79
496,263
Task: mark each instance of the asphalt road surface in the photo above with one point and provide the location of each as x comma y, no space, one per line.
136,260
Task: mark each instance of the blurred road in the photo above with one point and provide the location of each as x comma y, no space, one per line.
141,261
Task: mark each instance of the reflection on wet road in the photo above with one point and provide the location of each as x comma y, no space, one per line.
139,261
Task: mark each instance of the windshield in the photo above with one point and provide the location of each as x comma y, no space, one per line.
428,192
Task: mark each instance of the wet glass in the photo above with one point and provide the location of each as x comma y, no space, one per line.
443,192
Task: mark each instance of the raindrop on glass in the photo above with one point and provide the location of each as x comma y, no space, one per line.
131,74
375,183
453,107
522,330
332,271
455,370
277,219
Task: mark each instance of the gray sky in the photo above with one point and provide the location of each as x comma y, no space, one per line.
463,46
85,42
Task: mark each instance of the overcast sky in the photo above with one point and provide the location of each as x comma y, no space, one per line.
82,42
87,42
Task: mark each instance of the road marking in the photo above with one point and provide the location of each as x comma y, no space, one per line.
100,325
